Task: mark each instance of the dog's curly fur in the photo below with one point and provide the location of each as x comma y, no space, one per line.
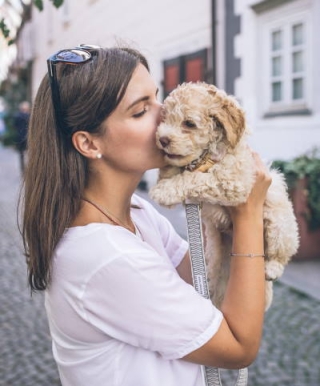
201,121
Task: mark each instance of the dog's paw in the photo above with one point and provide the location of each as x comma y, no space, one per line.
164,194
273,270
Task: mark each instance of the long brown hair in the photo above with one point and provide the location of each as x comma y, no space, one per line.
56,173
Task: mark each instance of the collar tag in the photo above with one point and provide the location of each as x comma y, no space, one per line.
203,165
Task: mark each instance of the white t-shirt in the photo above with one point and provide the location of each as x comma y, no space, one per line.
119,313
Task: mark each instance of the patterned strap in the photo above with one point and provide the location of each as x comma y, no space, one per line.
211,375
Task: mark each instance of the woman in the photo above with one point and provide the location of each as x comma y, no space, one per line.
117,277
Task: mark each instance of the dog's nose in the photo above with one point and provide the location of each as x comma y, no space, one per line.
164,141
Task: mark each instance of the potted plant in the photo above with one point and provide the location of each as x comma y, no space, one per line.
303,178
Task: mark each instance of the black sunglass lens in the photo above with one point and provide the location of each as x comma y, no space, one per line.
74,56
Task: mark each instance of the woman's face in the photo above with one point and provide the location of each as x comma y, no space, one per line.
129,142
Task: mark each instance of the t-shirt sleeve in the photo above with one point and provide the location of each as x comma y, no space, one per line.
139,299
175,246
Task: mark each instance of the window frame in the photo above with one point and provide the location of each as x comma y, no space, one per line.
285,22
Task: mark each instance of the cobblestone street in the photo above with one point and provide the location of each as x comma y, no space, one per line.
289,355
26,358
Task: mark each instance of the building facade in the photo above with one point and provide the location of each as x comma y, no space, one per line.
263,52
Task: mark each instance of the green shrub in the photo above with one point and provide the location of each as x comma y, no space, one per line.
305,166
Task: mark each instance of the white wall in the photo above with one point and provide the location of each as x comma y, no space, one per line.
166,29
280,137
160,29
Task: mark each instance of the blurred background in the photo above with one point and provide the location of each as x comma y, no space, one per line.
266,53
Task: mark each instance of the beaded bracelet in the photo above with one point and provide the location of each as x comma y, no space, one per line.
247,255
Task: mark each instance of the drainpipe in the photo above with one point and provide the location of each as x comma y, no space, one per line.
213,41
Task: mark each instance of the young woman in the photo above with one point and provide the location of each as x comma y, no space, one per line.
117,277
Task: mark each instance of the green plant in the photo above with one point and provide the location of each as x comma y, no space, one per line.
5,30
305,166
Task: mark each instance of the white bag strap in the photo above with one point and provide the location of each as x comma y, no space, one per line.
211,375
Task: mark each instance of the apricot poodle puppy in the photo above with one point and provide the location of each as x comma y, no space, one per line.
203,135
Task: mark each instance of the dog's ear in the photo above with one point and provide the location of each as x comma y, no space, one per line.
232,120
227,114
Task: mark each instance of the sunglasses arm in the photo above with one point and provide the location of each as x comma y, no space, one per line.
55,93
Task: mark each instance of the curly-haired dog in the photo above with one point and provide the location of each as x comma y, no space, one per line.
203,137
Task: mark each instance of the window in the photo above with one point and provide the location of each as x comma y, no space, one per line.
171,75
298,66
276,65
287,64
185,68
284,57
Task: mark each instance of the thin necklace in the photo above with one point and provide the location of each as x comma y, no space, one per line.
110,216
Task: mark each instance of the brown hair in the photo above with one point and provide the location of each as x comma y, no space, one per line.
56,173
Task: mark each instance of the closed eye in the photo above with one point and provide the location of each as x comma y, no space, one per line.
140,114
189,124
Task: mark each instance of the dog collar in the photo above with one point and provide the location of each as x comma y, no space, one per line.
202,164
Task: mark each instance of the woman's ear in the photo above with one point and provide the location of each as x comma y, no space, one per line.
86,144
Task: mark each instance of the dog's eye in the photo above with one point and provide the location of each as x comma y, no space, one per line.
188,123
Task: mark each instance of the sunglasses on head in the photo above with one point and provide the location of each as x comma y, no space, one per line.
78,55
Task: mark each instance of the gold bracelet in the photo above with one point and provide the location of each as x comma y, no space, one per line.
247,255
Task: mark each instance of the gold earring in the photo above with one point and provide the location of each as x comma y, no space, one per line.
99,155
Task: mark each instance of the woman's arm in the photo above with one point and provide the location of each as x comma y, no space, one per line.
184,269
237,341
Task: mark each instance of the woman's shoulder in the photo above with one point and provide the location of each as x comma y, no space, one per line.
95,242
97,235
138,202
83,249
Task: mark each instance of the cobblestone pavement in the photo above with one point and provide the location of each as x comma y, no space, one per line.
25,347
290,350
289,355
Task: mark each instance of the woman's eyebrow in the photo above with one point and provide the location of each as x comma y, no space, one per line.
142,99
